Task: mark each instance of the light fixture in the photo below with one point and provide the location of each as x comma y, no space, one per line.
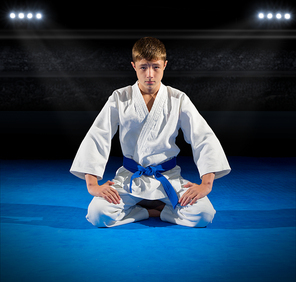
271,15
26,16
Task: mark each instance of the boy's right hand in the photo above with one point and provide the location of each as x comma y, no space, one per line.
105,191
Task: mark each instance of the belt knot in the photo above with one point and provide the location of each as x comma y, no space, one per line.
138,171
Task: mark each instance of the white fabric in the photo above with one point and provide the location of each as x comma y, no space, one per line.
101,213
149,139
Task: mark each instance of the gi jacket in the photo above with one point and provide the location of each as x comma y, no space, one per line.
149,139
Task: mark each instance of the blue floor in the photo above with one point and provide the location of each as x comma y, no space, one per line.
45,237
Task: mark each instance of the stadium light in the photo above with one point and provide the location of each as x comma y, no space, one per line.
26,16
273,16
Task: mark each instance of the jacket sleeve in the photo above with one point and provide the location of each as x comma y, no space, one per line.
93,153
208,153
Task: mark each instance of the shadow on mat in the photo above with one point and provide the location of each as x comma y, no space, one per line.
254,219
44,215
74,218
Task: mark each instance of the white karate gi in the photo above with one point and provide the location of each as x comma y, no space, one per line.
149,139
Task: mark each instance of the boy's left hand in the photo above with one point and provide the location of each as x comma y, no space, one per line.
194,193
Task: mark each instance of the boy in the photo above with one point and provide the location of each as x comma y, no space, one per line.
149,115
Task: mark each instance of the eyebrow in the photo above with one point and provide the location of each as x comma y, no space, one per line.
143,65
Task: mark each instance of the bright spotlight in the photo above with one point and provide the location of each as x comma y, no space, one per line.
39,16
30,16
21,15
272,16
12,15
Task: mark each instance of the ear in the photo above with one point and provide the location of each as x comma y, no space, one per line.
165,64
134,65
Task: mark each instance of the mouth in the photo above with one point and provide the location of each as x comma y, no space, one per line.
149,82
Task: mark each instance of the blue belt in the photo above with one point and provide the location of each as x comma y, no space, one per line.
138,170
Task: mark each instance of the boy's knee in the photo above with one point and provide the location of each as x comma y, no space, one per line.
200,215
101,213
206,215
205,218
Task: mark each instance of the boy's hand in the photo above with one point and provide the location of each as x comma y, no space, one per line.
194,193
105,191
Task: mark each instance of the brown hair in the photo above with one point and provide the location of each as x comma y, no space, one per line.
149,48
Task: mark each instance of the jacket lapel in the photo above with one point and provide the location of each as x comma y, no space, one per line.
151,118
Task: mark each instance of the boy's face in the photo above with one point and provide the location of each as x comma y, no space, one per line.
149,74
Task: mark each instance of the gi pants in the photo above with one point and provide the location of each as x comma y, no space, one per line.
101,213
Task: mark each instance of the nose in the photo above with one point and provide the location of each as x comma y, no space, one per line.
150,72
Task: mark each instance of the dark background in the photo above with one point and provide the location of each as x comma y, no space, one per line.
186,14
55,75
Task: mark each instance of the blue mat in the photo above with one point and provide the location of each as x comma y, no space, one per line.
45,237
